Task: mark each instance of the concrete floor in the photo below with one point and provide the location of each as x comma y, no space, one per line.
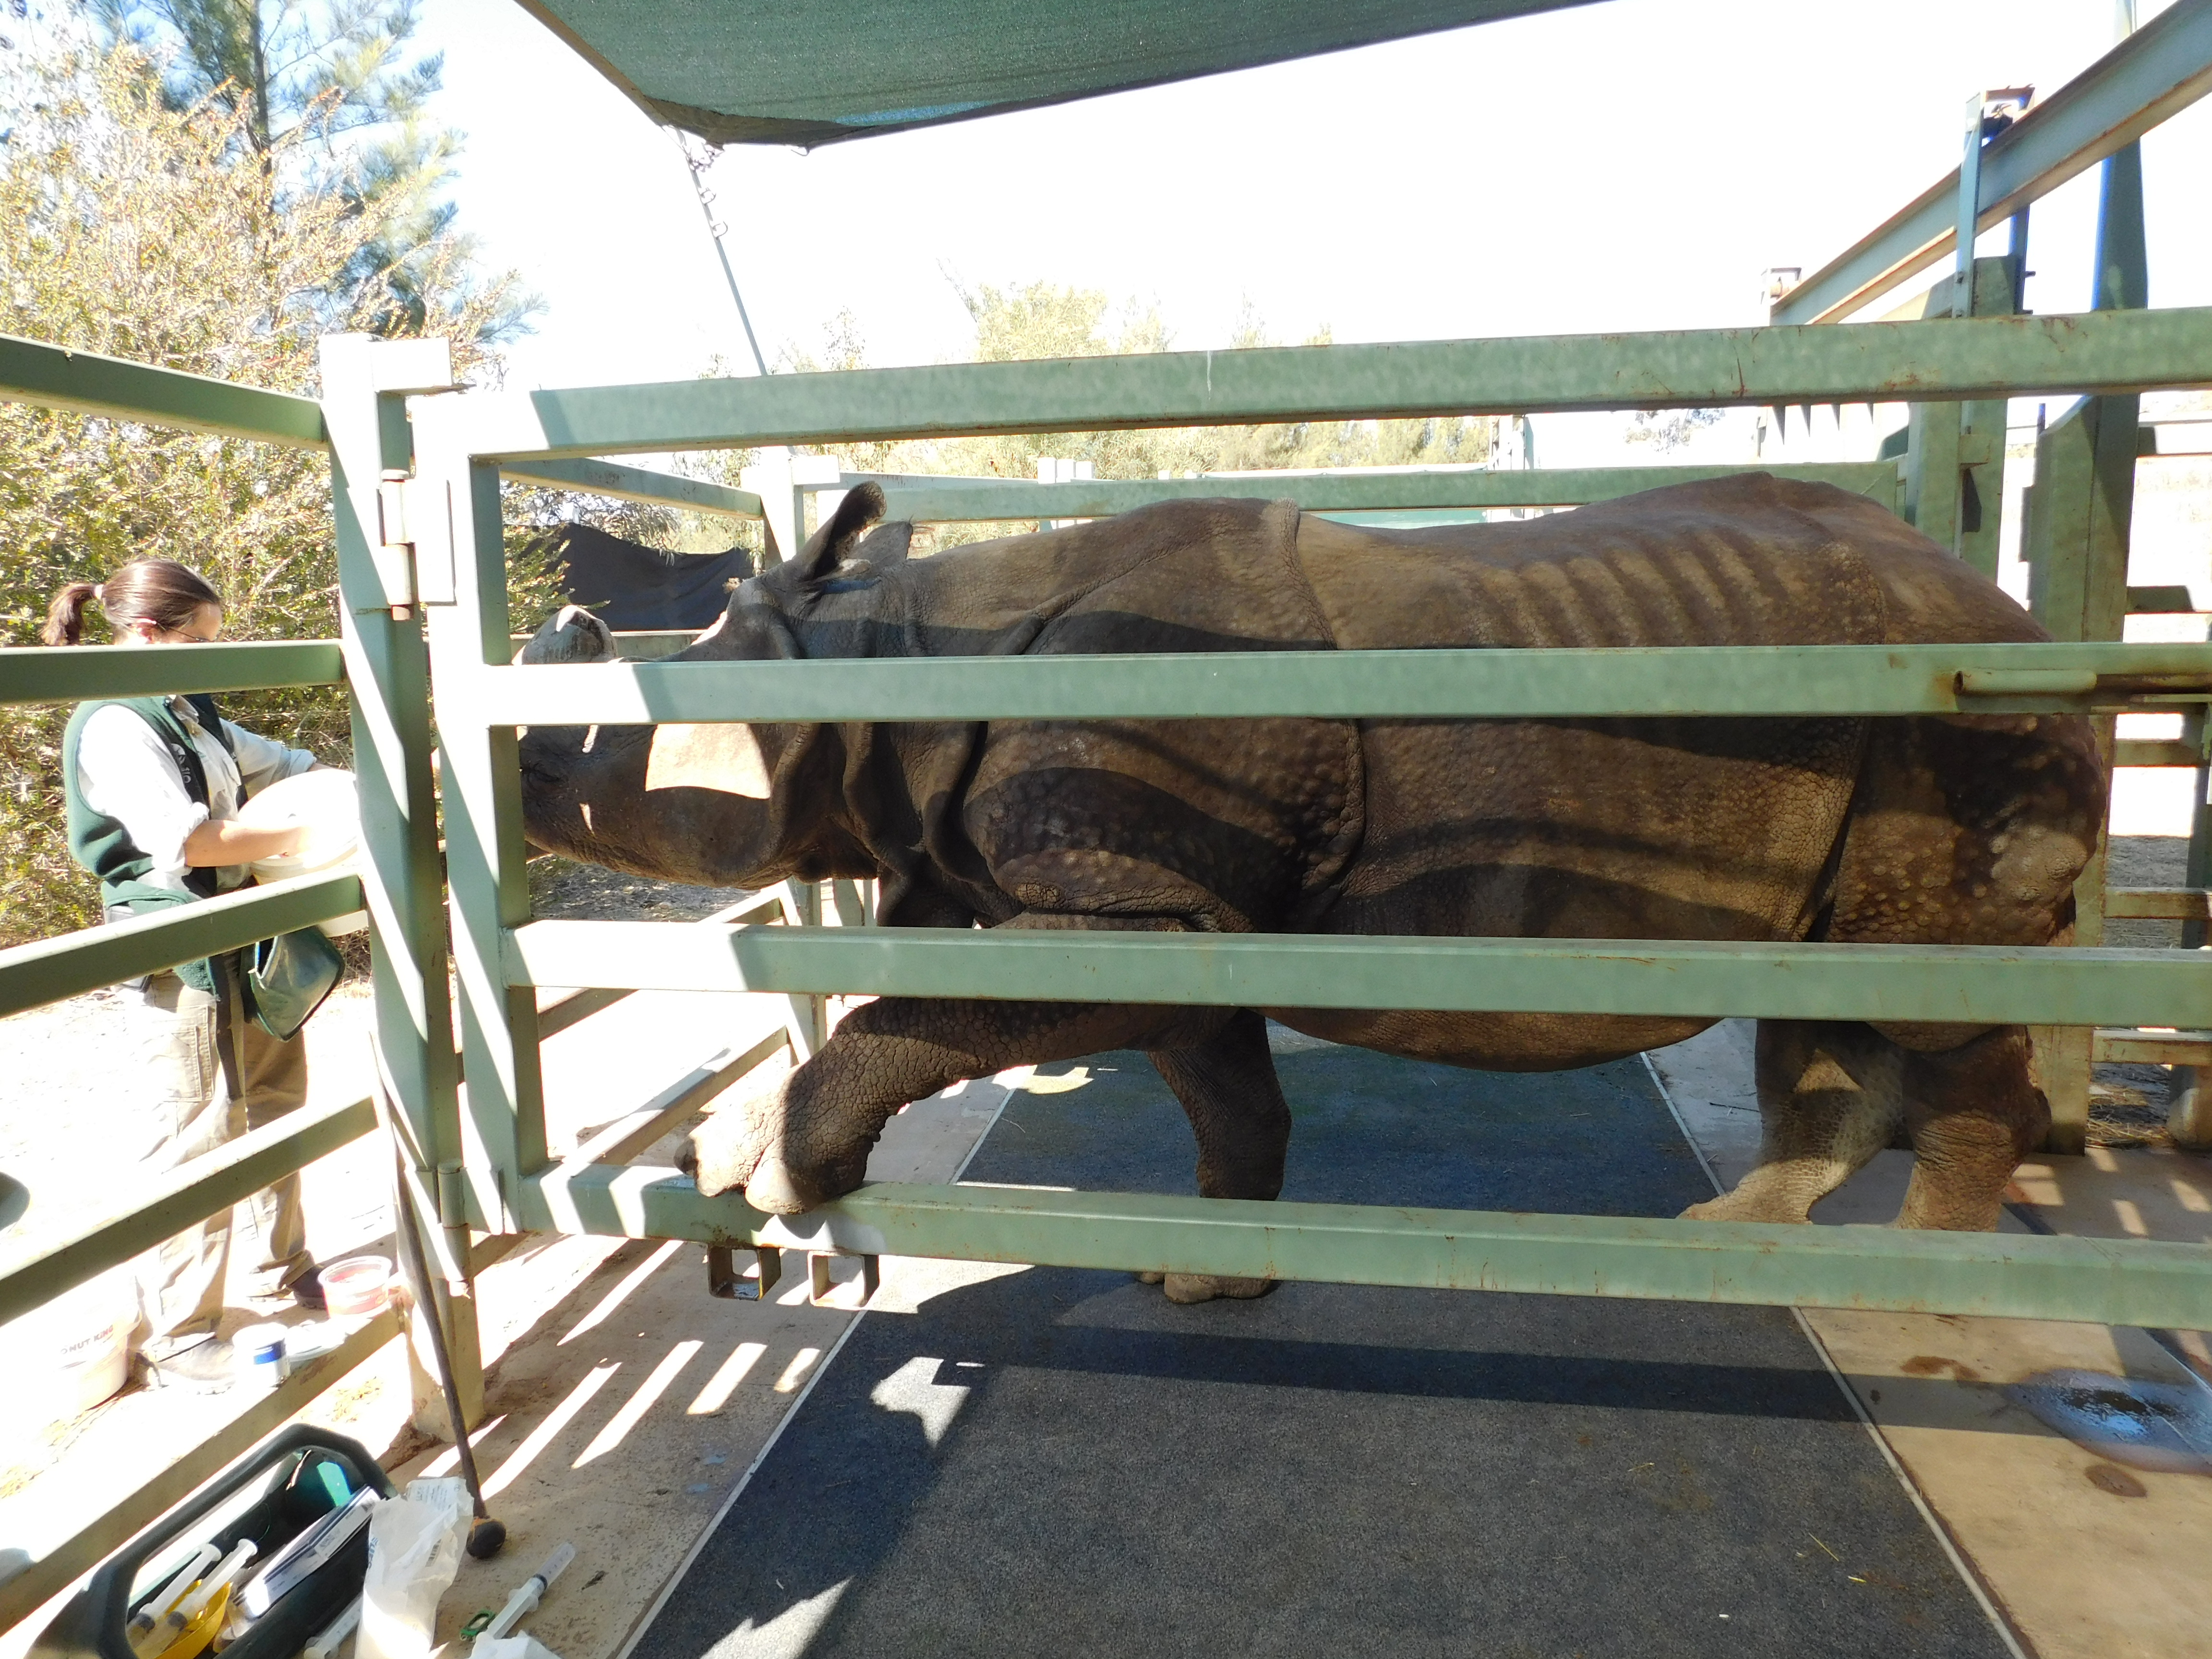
1060,1460
627,1419
591,1416
2081,1570
628,1407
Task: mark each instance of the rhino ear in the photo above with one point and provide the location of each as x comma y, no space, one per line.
830,545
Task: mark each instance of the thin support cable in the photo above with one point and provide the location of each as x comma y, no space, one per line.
698,156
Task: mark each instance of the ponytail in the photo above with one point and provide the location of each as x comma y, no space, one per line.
65,616
166,593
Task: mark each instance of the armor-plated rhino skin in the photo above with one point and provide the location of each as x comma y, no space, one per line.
1923,831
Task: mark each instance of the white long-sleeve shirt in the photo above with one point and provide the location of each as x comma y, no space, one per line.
124,770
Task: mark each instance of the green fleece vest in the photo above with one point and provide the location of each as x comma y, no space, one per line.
101,845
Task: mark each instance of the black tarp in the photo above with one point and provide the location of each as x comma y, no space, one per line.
630,587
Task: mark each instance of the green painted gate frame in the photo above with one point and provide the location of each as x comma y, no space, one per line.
462,443
389,686
488,1167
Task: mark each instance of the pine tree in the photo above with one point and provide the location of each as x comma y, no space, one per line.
335,73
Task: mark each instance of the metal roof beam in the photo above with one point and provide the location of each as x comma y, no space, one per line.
635,484
1923,362
928,500
2155,73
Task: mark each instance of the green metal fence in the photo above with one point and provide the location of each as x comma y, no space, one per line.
463,442
421,581
144,1212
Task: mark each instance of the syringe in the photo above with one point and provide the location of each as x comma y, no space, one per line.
531,1592
218,1578
179,1586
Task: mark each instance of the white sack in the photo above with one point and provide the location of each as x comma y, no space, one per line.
414,1551
522,1645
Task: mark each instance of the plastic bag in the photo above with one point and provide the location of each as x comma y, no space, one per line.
414,1550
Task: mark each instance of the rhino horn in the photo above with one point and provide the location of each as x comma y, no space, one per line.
572,634
830,546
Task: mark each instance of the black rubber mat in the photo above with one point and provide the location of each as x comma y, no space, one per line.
1059,1461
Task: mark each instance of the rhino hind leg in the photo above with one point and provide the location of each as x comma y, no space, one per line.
1973,1112
1831,1096
1229,1090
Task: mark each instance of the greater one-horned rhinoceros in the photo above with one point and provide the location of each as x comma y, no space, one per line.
1913,830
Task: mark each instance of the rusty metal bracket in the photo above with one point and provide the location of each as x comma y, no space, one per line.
818,1270
724,1279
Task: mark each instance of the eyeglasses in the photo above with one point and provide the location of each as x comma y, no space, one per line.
185,637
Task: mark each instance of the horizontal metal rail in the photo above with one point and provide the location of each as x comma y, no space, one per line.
2152,1047
37,673
1997,984
635,1132
159,1208
2160,904
948,500
632,484
2166,599
2130,1282
2156,72
1501,683
572,1007
54,377
30,1587
1932,361
49,969
636,644
2156,752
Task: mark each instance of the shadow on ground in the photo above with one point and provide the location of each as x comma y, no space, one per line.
1059,1461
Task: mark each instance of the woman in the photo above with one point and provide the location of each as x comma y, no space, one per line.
153,784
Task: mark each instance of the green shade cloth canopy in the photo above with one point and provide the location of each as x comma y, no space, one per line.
818,73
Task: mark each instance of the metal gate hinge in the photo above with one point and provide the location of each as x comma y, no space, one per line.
415,540
394,552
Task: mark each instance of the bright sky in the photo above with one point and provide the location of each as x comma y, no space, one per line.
1633,164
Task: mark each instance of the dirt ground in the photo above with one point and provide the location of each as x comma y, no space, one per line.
562,889
70,1110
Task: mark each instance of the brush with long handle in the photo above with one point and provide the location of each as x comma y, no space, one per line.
486,1536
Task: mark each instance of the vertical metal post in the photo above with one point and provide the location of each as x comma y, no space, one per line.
2077,548
1934,483
504,1121
808,1020
1981,451
783,505
1929,468
1969,210
2189,1117
365,382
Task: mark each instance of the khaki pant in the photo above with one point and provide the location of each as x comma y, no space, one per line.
174,1048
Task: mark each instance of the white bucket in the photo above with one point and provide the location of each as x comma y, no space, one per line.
74,1351
328,803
